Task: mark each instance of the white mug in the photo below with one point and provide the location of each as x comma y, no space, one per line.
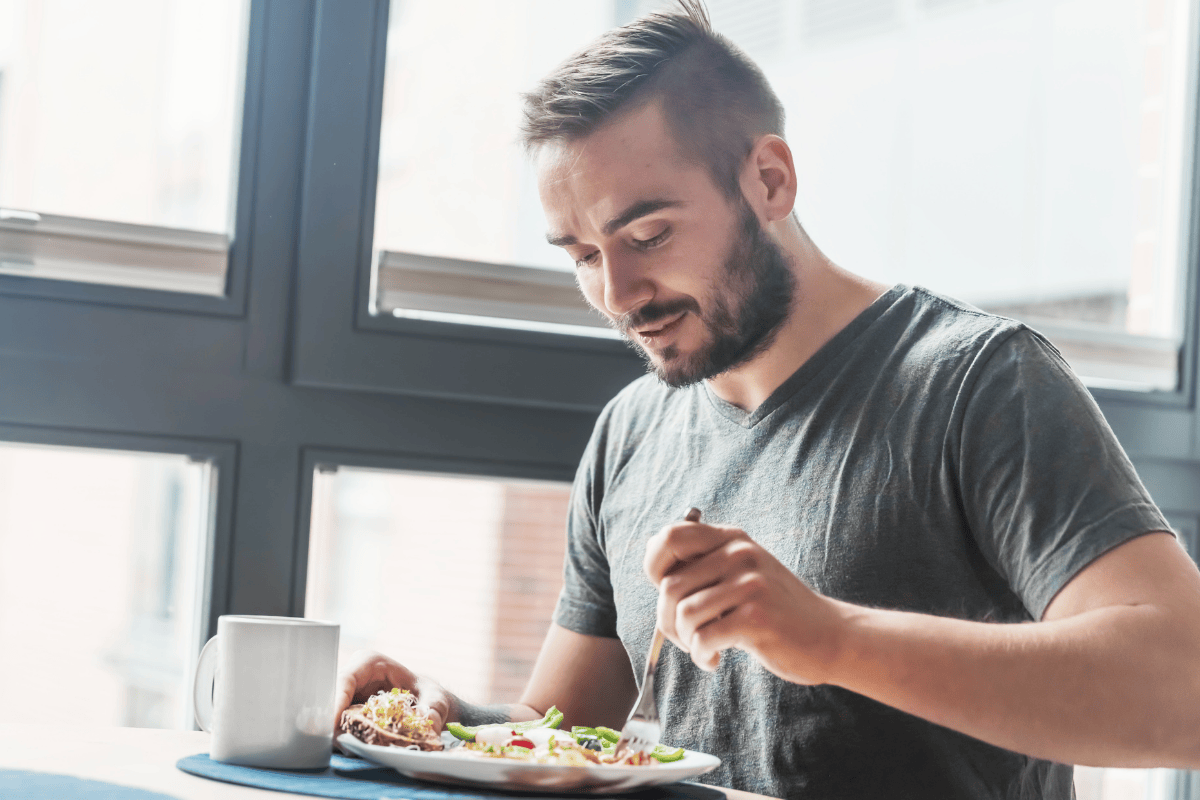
264,690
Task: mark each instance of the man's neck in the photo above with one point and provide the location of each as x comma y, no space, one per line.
828,298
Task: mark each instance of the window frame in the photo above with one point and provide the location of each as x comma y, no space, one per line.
232,303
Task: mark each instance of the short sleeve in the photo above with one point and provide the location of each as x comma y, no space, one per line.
585,604
1046,487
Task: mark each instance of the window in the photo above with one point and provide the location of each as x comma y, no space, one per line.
459,232
480,557
119,123
1032,157
102,565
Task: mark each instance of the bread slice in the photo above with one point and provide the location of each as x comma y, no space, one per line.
391,719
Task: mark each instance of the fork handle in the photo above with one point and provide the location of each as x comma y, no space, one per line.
656,644
646,695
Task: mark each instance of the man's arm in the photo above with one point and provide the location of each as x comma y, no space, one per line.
1107,678
589,678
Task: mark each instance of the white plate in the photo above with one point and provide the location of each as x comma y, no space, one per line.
502,773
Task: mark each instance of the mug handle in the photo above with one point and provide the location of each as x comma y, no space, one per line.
202,688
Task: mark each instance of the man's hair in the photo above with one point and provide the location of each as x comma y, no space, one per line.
716,101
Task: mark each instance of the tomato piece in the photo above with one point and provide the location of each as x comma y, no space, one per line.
521,742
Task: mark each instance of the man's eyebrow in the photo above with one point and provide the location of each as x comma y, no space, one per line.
636,211
561,241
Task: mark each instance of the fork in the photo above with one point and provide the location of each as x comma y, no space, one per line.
643,730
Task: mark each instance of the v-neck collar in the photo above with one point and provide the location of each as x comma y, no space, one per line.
810,368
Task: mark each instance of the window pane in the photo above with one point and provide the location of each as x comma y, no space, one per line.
1028,156
453,180
125,110
1032,157
1125,784
455,577
119,120
101,587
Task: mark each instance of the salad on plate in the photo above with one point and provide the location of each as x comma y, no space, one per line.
394,719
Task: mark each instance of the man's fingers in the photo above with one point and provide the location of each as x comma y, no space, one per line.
364,674
724,632
683,542
738,556
706,571
695,613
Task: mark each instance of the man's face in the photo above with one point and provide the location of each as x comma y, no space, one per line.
692,280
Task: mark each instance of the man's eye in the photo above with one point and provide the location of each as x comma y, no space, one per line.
590,258
652,242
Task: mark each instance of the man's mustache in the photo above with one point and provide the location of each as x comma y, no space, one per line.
652,313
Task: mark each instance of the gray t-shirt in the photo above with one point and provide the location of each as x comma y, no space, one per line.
930,458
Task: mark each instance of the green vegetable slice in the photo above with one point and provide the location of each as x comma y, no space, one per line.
609,737
608,733
553,719
665,753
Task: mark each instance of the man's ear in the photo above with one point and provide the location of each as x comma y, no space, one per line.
769,178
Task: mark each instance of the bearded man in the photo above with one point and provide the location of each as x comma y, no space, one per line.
924,561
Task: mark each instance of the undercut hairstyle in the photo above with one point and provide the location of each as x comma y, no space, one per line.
716,101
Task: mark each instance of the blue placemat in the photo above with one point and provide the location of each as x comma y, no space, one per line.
355,779
18,784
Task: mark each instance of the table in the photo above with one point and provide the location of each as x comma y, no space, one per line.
137,757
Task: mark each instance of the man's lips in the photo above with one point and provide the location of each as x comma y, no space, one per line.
655,330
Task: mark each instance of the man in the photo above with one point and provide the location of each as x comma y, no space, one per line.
925,567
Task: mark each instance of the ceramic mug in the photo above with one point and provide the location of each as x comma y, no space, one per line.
264,690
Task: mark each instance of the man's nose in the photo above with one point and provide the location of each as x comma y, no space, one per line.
627,286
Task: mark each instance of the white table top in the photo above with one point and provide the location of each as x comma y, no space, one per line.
135,757
129,756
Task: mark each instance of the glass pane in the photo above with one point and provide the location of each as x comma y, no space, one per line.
125,110
449,142
449,135
1124,784
101,584
481,558
1028,156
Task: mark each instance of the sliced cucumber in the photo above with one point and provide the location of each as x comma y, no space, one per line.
665,753
608,734
461,732
609,738
553,719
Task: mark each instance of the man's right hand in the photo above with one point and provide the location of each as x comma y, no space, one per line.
368,672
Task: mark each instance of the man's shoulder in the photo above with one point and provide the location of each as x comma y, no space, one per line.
948,352
955,319
936,327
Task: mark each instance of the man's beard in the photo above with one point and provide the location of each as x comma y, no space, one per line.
751,300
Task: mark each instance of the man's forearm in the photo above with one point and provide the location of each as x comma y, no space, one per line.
1102,688
472,714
